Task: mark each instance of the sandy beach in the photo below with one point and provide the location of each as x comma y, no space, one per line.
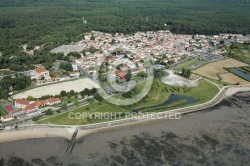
55,89
218,135
11,135
233,90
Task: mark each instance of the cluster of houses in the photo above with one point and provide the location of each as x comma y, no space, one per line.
42,75
131,50
31,106
24,107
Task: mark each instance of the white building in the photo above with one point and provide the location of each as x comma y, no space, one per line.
74,74
21,103
79,61
6,118
74,66
41,71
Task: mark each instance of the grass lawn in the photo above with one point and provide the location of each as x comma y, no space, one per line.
93,107
187,64
69,100
2,112
239,52
204,92
158,93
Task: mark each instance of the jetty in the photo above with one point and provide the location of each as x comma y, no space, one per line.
72,142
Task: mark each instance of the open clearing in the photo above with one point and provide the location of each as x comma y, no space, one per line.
55,89
175,80
212,69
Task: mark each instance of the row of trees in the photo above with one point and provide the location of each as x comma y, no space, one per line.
186,72
84,93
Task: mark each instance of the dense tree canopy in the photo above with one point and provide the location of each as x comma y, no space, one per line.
17,83
51,23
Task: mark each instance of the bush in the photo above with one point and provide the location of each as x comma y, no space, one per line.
49,112
36,118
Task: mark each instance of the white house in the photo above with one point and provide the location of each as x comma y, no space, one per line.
79,61
74,66
6,118
39,72
21,103
53,101
74,74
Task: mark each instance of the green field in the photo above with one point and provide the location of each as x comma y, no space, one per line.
160,92
187,65
91,108
157,95
240,52
69,100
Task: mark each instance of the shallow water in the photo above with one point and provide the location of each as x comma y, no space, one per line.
216,136
237,72
173,98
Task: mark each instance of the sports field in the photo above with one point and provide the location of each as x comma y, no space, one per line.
216,69
55,89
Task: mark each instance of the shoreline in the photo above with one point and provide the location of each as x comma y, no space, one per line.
67,131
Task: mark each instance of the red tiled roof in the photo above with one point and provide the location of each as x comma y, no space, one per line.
53,100
80,59
120,74
36,104
31,106
41,70
41,102
22,101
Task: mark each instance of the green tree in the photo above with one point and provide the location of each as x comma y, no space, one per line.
64,106
49,112
129,75
30,98
66,66
63,93
72,93
92,37
35,118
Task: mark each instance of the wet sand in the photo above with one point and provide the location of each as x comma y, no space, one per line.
35,133
216,136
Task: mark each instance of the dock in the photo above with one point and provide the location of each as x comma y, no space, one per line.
72,142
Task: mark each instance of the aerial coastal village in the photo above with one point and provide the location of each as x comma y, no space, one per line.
119,53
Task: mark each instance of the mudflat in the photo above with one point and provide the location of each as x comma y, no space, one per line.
216,136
